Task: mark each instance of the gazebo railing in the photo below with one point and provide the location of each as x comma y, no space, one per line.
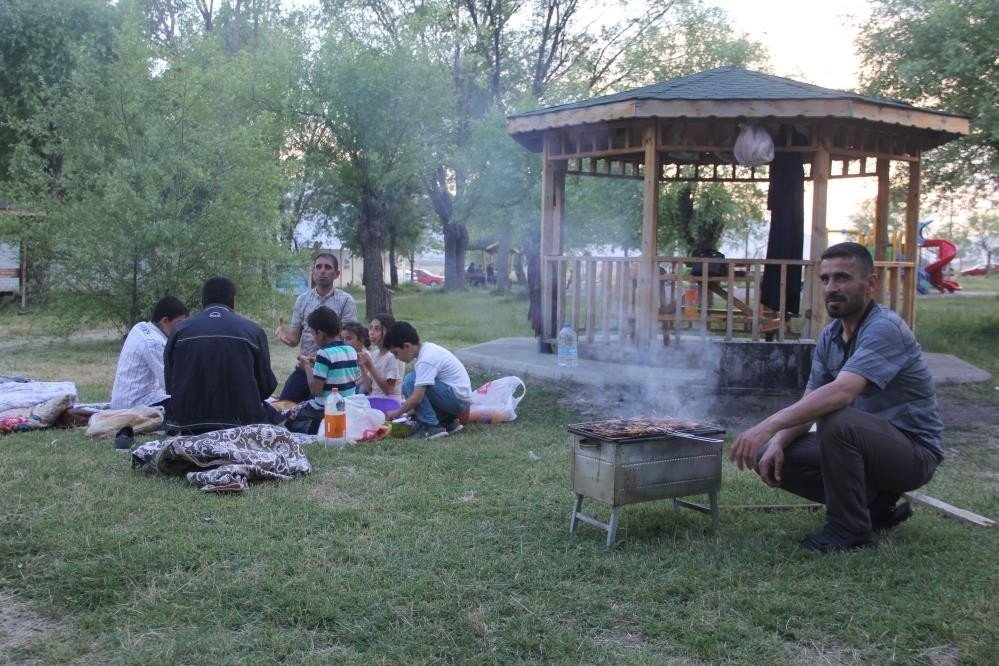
693,296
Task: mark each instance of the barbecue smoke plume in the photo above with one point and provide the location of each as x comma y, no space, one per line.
680,380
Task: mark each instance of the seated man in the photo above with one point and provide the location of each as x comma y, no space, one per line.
872,398
138,378
325,271
437,390
217,367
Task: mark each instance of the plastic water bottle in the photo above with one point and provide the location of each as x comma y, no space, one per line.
568,347
334,431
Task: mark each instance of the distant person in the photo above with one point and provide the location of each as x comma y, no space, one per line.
334,367
217,367
138,378
325,271
873,401
491,274
385,371
437,391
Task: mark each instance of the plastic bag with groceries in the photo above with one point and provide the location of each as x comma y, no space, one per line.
496,401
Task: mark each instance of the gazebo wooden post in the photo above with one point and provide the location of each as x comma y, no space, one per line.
881,240
821,166
911,246
552,233
644,316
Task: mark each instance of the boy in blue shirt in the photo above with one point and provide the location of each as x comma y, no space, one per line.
334,366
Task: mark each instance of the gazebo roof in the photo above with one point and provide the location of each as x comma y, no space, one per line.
734,92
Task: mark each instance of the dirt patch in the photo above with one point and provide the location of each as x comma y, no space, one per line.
20,626
966,413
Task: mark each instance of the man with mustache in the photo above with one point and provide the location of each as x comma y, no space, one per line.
872,399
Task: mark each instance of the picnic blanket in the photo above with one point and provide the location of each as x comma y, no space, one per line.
27,394
226,460
27,405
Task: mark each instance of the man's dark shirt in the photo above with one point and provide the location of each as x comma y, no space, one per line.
217,368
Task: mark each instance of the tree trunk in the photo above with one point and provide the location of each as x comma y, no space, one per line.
393,263
455,245
518,268
371,234
503,260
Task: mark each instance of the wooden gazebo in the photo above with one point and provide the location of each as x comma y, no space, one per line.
685,129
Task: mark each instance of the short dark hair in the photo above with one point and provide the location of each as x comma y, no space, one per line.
330,256
218,289
325,320
168,307
401,333
360,331
850,250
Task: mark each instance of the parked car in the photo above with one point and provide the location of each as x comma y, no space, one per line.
981,270
428,278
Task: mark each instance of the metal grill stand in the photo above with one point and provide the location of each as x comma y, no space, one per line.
620,473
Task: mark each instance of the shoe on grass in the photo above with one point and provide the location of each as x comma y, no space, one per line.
453,426
882,521
125,439
833,541
424,431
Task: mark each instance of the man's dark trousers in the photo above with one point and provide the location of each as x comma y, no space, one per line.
855,464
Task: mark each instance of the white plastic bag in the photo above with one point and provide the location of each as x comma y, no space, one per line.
364,424
753,146
496,401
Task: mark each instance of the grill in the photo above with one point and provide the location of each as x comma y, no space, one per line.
625,461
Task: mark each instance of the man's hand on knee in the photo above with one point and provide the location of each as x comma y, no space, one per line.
743,451
771,466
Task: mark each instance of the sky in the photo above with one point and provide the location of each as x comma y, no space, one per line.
808,40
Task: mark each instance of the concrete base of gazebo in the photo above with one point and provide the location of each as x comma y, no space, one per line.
729,366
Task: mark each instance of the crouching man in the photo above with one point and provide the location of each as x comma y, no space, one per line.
873,400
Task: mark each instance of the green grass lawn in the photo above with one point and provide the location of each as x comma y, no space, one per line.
457,550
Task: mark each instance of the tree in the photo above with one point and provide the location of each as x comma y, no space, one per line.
367,109
41,43
942,53
169,175
983,230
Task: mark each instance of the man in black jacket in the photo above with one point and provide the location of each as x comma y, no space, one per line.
217,367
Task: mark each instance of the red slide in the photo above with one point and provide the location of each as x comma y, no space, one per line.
946,251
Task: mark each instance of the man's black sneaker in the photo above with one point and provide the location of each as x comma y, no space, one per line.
125,439
882,521
453,426
829,541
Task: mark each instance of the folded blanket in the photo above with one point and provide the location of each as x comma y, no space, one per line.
19,395
226,460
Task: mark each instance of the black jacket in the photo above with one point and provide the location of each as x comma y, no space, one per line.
217,368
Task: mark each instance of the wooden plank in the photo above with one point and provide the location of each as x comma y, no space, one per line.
774,507
591,298
911,247
645,308
949,509
606,284
820,198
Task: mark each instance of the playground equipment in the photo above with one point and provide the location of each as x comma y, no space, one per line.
946,252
